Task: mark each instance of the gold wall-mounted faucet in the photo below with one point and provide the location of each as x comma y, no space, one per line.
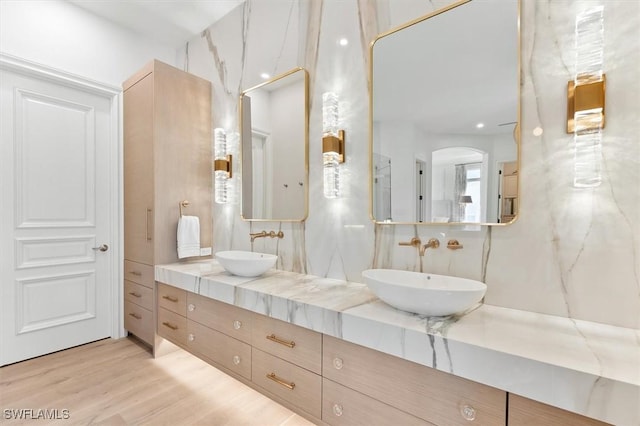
415,242
263,234
432,243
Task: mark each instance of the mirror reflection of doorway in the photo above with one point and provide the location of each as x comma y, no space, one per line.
459,179
262,175
420,190
382,187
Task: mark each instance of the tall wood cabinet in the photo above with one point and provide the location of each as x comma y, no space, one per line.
167,160
509,192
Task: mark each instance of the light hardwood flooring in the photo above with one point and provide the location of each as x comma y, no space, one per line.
118,382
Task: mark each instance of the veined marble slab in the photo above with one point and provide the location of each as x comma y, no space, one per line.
588,368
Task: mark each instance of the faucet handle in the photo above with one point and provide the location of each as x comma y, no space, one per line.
433,243
454,245
415,242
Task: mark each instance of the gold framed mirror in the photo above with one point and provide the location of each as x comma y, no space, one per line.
274,135
444,117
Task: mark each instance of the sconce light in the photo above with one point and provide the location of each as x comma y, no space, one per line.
586,98
465,199
221,166
332,145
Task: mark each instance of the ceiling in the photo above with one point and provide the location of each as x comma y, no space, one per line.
172,22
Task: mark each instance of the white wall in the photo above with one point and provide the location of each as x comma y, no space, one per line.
65,37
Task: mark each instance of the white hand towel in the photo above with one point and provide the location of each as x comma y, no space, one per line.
188,236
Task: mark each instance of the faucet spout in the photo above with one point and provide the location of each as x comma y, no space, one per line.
432,243
258,235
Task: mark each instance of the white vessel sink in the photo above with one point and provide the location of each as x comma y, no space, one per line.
246,263
425,294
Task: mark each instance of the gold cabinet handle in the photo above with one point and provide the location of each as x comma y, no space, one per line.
136,273
170,298
169,325
136,316
134,294
147,225
278,380
273,338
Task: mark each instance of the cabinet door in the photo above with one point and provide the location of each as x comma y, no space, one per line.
138,171
182,161
510,186
424,392
343,406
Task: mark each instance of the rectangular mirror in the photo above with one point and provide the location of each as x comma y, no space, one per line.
444,114
274,123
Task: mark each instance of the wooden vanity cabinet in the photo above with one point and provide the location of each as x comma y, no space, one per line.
167,159
526,412
423,392
335,382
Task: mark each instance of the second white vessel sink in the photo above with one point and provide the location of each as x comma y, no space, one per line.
246,263
425,294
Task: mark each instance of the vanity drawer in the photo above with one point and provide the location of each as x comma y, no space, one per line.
220,348
343,406
296,385
228,319
138,294
172,298
526,412
172,326
139,273
298,345
424,392
138,321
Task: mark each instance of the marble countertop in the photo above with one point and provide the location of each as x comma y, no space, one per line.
588,368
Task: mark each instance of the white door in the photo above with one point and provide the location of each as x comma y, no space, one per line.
56,198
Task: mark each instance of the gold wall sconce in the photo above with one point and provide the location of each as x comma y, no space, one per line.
333,143
586,96
585,104
222,166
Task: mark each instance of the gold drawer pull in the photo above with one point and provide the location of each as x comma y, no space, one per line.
273,338
134,294
272,376
136,273
170,298
136,316
171,326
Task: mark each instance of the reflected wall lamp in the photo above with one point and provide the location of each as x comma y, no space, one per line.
332,145
222,168
465,199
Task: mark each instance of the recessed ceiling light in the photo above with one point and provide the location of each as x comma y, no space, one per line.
343,42
479,125
264,75
537,131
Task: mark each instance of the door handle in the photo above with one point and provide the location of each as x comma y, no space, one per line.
103,247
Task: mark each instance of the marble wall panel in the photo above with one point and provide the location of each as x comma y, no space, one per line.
573,252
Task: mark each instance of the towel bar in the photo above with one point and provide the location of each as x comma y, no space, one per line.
182,204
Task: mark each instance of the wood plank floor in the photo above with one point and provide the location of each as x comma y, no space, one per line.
118,382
